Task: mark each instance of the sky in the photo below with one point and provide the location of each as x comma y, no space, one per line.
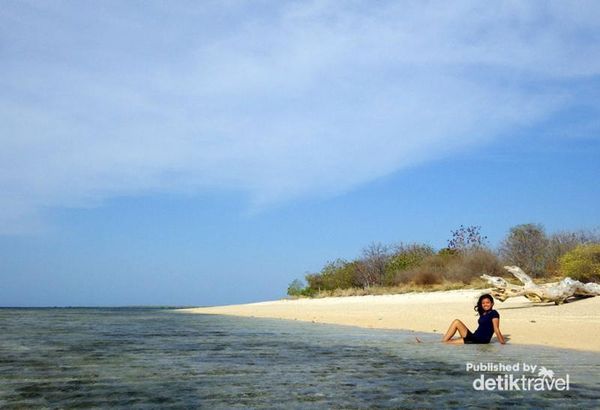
202,153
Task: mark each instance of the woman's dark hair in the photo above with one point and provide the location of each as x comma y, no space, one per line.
479,308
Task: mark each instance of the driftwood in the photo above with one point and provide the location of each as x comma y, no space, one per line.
557,292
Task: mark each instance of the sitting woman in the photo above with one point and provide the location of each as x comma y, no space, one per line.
489,323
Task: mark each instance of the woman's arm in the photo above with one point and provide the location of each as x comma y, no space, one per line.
496,323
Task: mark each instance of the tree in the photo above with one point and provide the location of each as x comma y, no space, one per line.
526,246
295,288
315,282
372,266
467,238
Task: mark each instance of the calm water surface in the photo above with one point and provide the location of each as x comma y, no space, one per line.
160,358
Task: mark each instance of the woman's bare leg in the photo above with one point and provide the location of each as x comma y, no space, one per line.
454,326
457,341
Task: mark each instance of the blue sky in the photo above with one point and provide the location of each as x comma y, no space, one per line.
203,153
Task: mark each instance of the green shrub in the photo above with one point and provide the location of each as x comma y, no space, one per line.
582,263
408,256
338,274
440,261
428,272
315,282
430,266
562,242
405,257
295,288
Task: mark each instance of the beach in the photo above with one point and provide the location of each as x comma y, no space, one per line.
574,325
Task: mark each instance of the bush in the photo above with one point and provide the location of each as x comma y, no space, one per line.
315,282
339,274
403,277
405,257
441,260
430,271
295,288
562,242
425,277
582,263
448,252
452,266
472,264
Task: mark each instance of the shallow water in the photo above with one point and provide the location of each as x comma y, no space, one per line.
141,358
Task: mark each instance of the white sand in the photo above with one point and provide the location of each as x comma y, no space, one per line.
574,325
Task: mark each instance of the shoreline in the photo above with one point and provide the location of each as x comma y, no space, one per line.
574,325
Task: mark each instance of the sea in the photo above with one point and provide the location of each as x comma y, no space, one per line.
161,358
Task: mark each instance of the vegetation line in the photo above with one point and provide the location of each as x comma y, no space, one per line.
409,267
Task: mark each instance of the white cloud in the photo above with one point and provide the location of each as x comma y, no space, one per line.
289,101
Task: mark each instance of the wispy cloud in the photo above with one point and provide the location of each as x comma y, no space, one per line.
279,100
